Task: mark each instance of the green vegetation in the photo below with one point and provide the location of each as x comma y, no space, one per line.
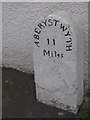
83,112
83,115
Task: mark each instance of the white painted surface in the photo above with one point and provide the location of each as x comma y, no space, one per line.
58,61
45,0
18,20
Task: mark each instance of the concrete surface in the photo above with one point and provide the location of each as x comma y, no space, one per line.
19,99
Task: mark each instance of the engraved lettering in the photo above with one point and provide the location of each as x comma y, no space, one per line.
53,41
37,31
45,22
63,27
41,26
37,43
68,34
69,45
36,36
50,23
56,21
46,52
48,41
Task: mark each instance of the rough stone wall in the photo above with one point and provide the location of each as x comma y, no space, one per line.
18,20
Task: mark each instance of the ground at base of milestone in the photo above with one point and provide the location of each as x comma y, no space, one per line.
19,99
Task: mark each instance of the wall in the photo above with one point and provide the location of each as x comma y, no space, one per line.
18,20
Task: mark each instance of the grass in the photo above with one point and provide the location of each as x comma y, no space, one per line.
83,113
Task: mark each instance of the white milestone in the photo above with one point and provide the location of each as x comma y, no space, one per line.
58,61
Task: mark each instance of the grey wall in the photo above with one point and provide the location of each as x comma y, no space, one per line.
18,20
